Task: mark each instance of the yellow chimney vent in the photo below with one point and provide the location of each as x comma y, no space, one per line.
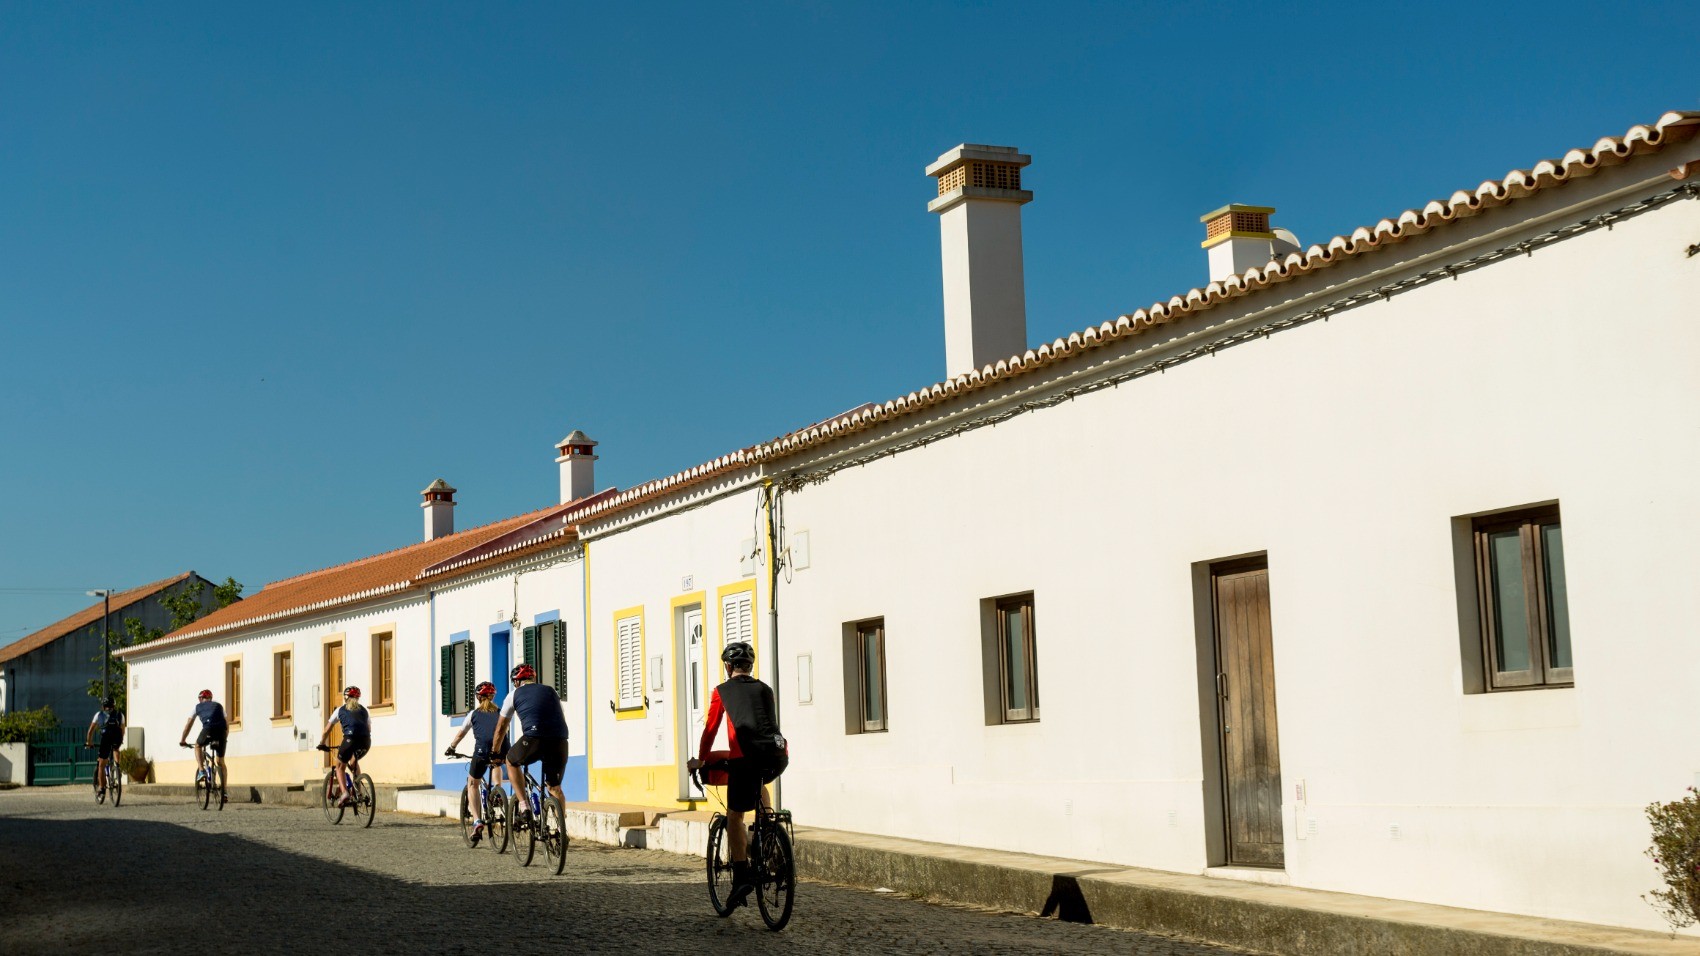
1235,221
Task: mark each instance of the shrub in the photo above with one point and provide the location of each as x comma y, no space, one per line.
23,726
130,761
1676,852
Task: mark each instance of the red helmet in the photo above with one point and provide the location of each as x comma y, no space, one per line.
351,691
205,695
485,689
524,672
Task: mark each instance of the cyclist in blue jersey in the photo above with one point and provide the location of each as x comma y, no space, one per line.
482,724
215,732
543,732
356,723
109,721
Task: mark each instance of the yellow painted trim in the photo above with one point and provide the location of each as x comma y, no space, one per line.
393,764
699,598
645,786
755,620
1224,237
284,721
224,673
388,710
640,710
372,632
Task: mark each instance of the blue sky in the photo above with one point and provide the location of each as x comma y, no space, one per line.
266,272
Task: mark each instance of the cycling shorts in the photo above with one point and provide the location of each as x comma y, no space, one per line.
551,751
213,741
110,746
481,760
745,776
352,748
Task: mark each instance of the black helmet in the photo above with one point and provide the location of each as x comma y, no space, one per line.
108,702
738,654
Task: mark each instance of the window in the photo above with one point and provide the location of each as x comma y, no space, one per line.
864,677
1520,596
737,618
383,669
458,659
546,650
629,636
233,691
1009,659
283,683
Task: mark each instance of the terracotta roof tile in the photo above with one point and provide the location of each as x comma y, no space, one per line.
87,616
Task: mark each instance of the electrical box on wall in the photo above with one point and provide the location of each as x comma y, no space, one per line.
747,557
799,550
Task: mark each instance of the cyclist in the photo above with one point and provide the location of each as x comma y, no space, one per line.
356,723
482,724
215,732
758,752
109,720
543,733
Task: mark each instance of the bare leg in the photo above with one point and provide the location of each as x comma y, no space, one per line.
737,839
473,801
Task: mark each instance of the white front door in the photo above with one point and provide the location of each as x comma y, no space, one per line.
693,692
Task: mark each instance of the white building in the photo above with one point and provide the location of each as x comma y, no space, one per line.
1363,569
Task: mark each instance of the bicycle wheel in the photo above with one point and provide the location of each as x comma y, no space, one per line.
778,877
115,783
496,827
552,832
366,797
333,806
719,867
525,830
217,777
465,817
209,783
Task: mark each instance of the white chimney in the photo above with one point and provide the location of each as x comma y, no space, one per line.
577,460
439,505
1239,238
985,296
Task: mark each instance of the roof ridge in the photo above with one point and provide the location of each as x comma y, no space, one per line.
119,601
417,544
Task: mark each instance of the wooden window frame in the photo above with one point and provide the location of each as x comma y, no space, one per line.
1527,522
383,685
1030,713
233,691
283,683
873,628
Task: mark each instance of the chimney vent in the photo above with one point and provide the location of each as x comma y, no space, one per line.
1237,238
439,505
577,460
985,297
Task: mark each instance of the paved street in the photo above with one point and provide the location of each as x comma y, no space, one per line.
158,875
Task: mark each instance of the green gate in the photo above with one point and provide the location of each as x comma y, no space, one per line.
59,756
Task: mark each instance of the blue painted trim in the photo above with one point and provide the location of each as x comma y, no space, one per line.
546,616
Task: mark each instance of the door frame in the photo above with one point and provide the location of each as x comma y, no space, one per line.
1214,758
332,697
684,735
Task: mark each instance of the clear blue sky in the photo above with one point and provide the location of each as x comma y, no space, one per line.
265,273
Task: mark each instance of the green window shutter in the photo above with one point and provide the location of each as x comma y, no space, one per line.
531,647
467,683
448,655
560,683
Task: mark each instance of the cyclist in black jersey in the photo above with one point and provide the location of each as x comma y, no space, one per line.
759,753
215,732
109,720
543,733
481,722
356,723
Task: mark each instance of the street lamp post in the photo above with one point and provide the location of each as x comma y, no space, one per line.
105,595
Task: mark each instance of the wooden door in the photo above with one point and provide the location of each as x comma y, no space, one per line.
1245,685
334,683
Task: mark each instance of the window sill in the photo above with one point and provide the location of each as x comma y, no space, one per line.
382,710
283,720
234,725
631,713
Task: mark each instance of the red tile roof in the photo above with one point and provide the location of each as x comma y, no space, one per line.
380,574
87,616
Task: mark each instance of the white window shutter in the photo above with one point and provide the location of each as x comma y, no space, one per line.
630,632
738,615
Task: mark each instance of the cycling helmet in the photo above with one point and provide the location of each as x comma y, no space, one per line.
205,695
738,654
524,672
108,702
485,689
351,691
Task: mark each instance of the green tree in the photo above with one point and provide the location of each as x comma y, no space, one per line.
184,606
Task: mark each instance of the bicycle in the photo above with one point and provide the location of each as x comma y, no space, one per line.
495,801
546,823
114,783
362,791
208,779
773,867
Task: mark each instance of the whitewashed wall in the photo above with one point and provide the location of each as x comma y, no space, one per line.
1345,449
264,750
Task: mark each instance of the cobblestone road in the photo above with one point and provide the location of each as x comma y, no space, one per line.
160,876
